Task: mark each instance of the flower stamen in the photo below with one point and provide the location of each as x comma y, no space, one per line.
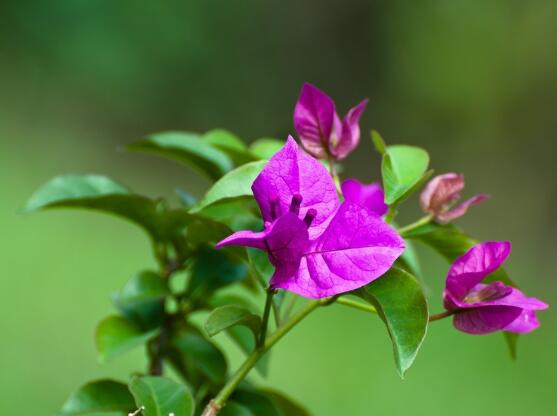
295,204
310,216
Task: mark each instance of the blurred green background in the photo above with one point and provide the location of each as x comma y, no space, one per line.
474,82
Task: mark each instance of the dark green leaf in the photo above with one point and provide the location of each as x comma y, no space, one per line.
257,402
265,148
161,396
402,168
141,299
103,194
96,397
233,185
187,148
451,243
410,259
195,354
229,144
213,269
239,214
260,265
284,404
401,303
116,335
235,409
512,339
225,317
378,142
242,336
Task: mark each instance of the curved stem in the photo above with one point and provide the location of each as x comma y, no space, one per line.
441,315
215,405
410,227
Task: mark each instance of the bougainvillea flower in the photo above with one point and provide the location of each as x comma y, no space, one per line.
484,308
440,195
321,130
368,196
319,247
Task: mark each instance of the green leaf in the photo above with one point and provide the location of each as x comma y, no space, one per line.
213,269
512,339
284,404
260,265
402,168
116,335
410,259
141,299
189,149
265,148
257,402
401,303
233,185
241,335
161,396
378,142
101,396
194,355
451,243
235,409
100,193
225,317
229,144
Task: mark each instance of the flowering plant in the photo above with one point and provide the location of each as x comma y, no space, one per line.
277,222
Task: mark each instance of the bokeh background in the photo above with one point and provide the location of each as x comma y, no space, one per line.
474,82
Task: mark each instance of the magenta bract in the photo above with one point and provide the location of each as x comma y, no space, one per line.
369,196
319,247
321,130
440,195
484,308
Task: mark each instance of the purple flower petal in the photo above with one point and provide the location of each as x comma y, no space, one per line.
244,238
471,268
349,136
507,296
313,120
369,196
355,249
292,173
526,322
486,319
460,210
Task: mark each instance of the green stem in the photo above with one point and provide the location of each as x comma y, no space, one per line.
441,315
333,171
356,305
266,314
252,359
391,213
410,227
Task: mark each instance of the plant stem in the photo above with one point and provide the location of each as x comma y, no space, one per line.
410,227
265,321
391,213
441,315
356,305
333,171
215,405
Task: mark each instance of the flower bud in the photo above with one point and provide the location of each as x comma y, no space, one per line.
440,195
